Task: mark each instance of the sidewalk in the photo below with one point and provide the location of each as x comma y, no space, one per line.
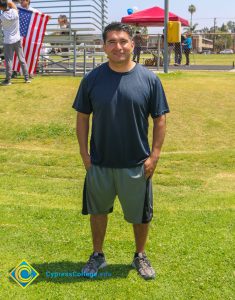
195,68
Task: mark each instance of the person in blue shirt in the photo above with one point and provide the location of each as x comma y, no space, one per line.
187,45
121,95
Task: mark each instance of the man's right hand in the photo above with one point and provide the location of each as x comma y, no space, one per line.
86,161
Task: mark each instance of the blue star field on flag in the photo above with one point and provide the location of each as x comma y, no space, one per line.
25,17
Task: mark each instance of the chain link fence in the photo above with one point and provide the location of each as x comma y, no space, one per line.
206,50
76,53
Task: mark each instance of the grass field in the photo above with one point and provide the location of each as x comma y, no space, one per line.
195,59
191,242
202,59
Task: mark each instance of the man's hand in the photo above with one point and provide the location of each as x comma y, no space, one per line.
86,161
11,5
150,166
159,127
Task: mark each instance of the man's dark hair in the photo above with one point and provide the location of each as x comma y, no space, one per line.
116,26
3,4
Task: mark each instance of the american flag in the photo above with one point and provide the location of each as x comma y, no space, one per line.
32,29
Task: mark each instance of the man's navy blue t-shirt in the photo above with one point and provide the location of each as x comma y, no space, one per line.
121,104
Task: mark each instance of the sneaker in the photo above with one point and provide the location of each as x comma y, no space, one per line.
6,82
143,266
14,74
96,261
27,81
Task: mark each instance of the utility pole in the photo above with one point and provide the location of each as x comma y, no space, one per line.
214,35
166,19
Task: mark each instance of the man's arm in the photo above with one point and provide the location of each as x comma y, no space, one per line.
159,129
82,135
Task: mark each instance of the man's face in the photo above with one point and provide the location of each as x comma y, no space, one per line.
24,3
118,47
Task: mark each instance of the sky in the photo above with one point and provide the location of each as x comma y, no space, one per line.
206,10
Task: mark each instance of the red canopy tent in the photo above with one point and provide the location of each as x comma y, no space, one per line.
153,16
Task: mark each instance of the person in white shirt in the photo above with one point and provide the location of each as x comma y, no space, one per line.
12,40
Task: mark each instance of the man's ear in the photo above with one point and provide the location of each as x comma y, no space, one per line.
132,44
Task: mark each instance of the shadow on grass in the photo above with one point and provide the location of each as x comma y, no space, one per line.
69,272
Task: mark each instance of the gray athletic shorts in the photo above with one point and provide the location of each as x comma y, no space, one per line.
134,191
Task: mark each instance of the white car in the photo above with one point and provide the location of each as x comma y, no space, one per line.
226,51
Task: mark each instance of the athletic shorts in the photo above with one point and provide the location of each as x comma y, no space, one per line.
134,191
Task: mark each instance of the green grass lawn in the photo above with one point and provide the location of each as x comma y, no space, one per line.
191,241
201,59
195,59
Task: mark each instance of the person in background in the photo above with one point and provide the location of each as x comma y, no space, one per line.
170,48
187,46
26,5
178,51
138,40
17,3
12,41
63,24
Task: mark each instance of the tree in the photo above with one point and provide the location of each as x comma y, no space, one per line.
144,30
231,26
224,28
191,9
193,27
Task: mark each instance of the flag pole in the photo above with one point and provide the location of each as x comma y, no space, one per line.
166,19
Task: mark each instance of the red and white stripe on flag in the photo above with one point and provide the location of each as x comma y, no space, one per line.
32,43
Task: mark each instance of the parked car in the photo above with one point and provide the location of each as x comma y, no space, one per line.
226,51
206,52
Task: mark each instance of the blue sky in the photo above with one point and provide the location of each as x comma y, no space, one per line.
206,10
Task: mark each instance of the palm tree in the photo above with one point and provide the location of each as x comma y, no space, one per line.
193,27
191,9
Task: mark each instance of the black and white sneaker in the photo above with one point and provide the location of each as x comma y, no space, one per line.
96,261
6,82
143,266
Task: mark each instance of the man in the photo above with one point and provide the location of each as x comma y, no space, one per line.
120,94
12,40
178,51
187,45
170,48
138,41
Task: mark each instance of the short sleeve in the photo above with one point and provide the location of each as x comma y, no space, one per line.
11,14
82,101
158,101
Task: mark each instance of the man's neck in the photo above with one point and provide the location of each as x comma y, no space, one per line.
122,68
